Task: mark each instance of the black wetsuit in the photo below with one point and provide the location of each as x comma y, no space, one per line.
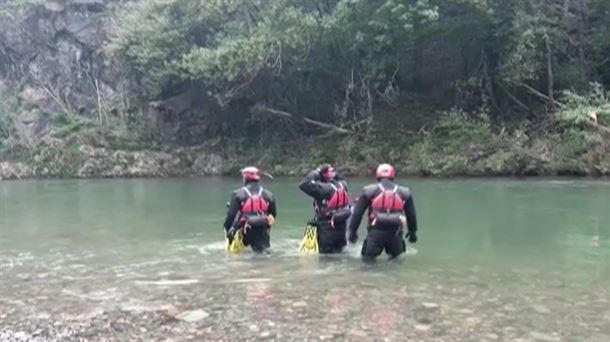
257,237
390,237
331,234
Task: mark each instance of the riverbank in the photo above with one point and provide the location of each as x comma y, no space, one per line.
503,157
456,145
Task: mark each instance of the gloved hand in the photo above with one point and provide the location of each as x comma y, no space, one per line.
412,236
270,220
230,233
352,237
322,169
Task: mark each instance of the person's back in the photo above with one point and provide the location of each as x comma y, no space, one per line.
329,192
390,207
252,210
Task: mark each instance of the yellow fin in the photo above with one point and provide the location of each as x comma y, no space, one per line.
237,245
309,245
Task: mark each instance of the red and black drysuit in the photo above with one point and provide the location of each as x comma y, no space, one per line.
386,202
331,209
248,210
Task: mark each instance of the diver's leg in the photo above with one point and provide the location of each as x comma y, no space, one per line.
395,245
373,245
257,238
340,239
325,237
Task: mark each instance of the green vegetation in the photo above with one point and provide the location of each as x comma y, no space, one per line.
451,87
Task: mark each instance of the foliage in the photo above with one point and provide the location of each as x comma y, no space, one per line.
6,123
15,8
434,86
592,106
346,60
454,142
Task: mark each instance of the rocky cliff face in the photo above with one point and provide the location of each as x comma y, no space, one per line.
51,56
52,62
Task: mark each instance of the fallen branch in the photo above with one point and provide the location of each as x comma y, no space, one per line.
338,129
99,99
514,98
56,99
535,92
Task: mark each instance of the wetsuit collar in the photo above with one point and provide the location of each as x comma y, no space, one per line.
385,181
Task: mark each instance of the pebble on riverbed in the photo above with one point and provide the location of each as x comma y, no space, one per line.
431,306
422,327
545,337
170,310
541,309
192,316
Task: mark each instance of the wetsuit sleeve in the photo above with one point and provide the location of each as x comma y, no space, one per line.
232,212
411,216
356,218
311,184
272,207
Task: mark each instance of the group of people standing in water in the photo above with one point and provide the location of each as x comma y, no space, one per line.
391,212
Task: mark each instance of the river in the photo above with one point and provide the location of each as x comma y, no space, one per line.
114,260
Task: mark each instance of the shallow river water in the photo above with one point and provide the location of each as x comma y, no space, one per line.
117,260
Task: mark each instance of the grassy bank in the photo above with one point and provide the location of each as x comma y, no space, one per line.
457,145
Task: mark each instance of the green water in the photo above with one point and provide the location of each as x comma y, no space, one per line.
496,260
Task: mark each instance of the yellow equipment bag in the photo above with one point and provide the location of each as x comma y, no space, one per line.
237,245
309,245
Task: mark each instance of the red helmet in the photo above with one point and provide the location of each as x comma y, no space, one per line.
385,171
251,173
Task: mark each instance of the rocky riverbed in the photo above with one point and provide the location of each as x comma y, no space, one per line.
180,296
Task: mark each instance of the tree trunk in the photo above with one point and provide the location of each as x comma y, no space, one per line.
550,79
488,83
583,13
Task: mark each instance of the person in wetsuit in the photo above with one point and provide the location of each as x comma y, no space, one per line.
390,207
252,210
331,207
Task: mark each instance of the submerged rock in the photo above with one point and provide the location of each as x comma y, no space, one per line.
541,309
422,327
170,310
357,333
193,316
431,306
544,337
299,304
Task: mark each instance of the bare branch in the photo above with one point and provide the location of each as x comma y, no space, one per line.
226,98
55,98
263,109
278,61
514,98
534,91
99,99
550,77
